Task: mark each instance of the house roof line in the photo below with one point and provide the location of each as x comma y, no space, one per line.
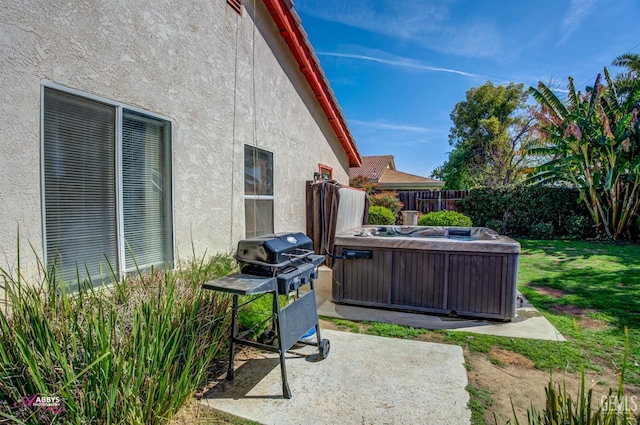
409,175
288,23
372,167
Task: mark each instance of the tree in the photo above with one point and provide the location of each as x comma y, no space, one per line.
631,61
593,143
626,81
361,182
490,129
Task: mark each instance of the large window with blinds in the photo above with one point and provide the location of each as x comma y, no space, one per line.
258,191
106,187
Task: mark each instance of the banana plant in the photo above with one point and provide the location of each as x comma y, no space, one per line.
591,141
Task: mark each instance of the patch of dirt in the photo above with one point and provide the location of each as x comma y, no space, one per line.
506,357
431,337
552,292
524,386
572,310
196,413
593,323
326,324
583,316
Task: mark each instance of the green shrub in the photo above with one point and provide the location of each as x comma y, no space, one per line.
579,227
542,231
388,200
497,225
445,218
380,215
519,208
131,353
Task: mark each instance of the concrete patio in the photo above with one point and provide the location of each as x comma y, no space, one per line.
366,379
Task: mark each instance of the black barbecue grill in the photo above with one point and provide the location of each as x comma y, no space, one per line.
276,264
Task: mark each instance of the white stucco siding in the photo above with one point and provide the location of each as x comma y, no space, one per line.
177,59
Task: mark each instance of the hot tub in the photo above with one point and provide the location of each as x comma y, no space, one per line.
458,271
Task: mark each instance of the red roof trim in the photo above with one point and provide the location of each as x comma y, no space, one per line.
295,38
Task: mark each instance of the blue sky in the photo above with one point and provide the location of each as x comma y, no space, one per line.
398,68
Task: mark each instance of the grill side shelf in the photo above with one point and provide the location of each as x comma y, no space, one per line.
242,284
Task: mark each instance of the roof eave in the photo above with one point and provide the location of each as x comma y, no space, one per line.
287,21
412,186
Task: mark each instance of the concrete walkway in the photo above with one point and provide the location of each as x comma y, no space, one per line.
364,380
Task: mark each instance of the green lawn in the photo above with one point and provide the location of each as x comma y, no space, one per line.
590,292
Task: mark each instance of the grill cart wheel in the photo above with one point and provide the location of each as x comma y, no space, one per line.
324,348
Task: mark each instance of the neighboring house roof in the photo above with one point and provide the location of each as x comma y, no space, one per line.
382,170
288,22
372,167
397,180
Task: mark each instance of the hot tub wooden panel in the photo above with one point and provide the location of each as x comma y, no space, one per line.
438,277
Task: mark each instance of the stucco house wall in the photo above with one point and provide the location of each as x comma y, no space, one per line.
224,79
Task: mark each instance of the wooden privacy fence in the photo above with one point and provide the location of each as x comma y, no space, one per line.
427,201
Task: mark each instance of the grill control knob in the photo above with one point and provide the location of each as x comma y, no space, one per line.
294,284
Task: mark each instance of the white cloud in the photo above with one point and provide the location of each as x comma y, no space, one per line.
428,25
383,125
578,11
399,19
401,62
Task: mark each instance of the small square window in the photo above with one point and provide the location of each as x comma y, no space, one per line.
326,172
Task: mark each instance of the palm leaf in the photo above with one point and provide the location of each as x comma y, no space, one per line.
595,94
545,96
631,61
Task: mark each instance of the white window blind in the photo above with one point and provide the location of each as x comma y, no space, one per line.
258,191
80,203
87,187
146,191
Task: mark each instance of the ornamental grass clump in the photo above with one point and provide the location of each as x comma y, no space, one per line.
561,408
130,353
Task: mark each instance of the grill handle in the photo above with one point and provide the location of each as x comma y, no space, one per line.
304,254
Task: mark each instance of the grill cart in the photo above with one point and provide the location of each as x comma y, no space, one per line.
275,265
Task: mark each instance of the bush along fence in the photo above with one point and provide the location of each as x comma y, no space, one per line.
427,201
537,212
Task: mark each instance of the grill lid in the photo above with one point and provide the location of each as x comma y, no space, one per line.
274,249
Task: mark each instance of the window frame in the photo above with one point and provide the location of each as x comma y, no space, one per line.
119,107
325,170
246,197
